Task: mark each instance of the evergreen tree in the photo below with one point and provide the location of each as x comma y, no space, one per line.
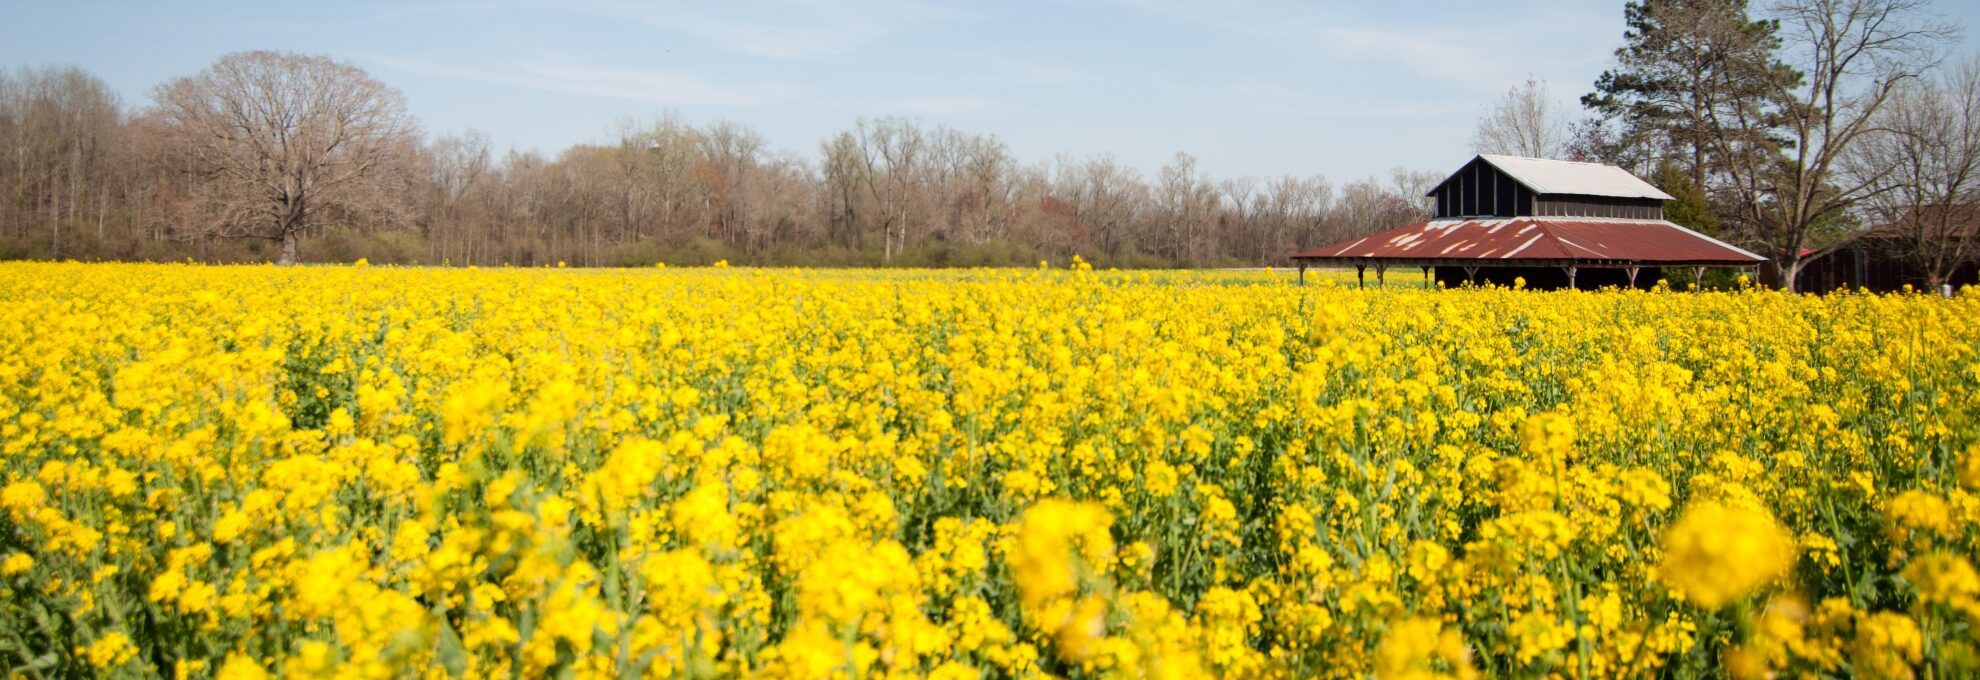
1679,59
1687,207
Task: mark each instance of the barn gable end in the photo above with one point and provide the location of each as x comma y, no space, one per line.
1508,186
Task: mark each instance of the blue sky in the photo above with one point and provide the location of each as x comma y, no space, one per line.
1261,88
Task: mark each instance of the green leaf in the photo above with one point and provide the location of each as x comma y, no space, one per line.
453,655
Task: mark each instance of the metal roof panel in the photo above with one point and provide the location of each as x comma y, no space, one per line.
1546,176
1568,240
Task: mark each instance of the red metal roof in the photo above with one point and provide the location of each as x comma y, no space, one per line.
1537,240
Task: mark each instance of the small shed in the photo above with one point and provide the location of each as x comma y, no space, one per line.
1555,224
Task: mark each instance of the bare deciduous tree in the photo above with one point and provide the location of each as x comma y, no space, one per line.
1922,160
895,155
55,125
1413,187
1366,207
1782,153
1186,204
1297,210
975,185
844,175
1106,199
728,160
283,139
1522,123
457,166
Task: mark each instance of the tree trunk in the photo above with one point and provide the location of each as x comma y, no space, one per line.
288,256
1781,271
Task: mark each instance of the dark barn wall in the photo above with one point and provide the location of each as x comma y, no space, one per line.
1505,197
1834,270
1568,205
1879,267
1481,190
1551,278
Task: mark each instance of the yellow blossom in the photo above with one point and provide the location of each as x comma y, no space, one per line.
689,472
111,650
1717,553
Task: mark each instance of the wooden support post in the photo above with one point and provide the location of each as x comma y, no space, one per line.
1426,277
1570,271
1379,270
1360,276
1302,272
1858,267
1698,278
1471,275
1632,275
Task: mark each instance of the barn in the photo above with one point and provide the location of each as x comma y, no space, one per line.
1885,259
1554,224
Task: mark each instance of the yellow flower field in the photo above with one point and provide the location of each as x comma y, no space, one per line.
361,471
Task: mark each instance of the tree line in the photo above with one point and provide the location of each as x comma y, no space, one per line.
274,156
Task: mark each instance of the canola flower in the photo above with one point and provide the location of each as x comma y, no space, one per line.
370,471
1716,553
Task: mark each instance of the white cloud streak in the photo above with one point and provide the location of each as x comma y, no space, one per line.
657,87
933,106
776,29
1467,57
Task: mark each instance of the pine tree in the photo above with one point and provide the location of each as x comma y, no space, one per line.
1687,207
1679,59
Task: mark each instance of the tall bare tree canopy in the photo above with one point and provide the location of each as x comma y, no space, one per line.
1778,120
1524,122
280,140
1921,162
1783,152
58,127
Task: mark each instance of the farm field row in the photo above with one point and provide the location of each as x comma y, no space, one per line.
381,472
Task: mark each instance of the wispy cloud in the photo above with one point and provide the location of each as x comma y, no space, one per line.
1469,55
781,29
658,87
1451,57
1273,97
1033,72
933,106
